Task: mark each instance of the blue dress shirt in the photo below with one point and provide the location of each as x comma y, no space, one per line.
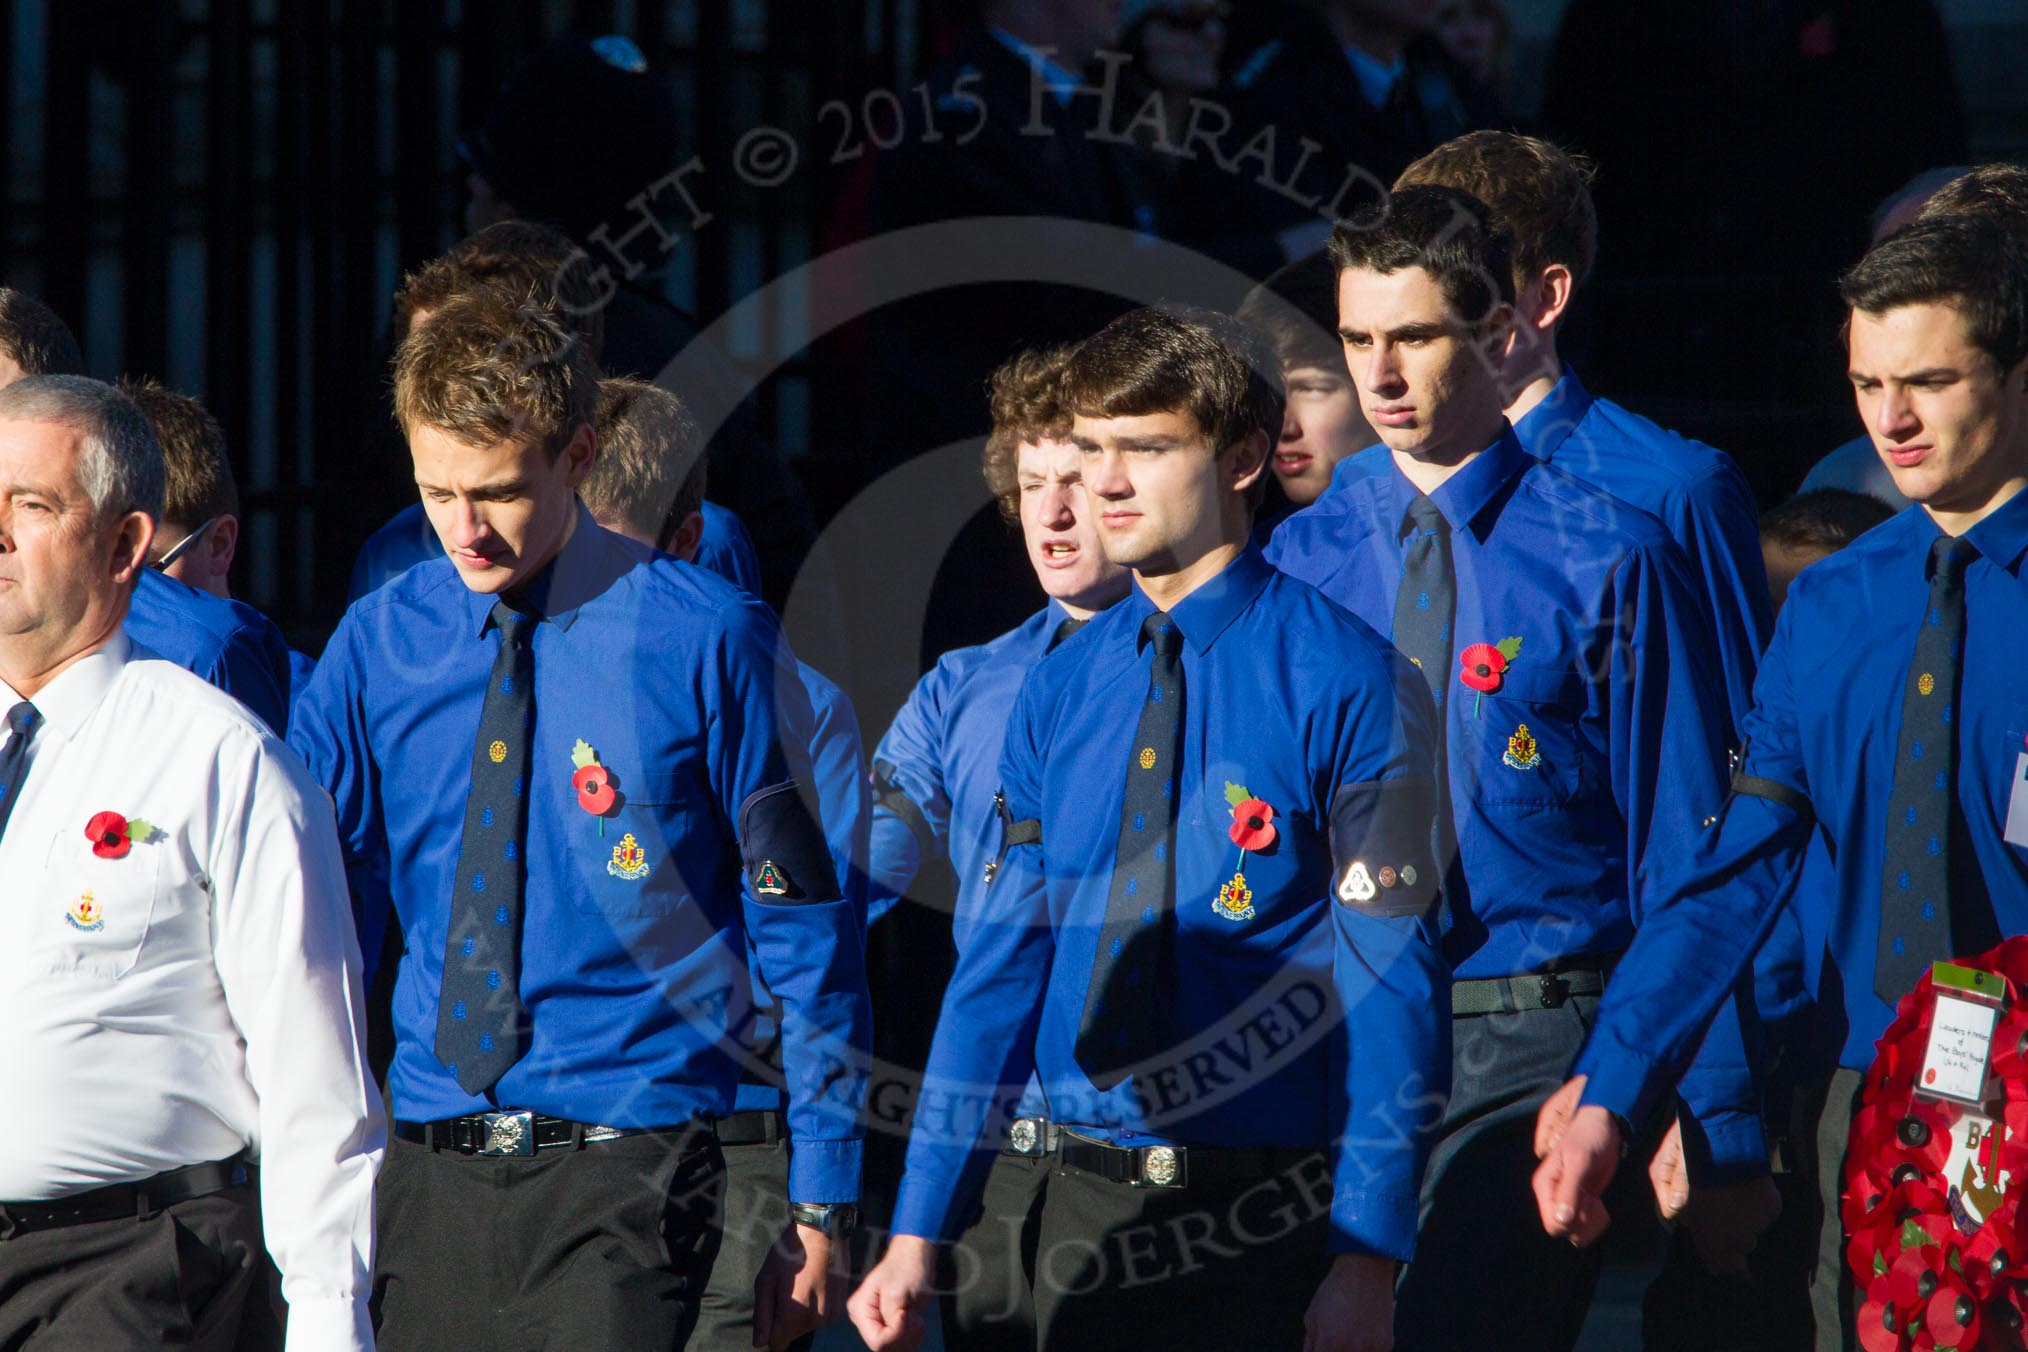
408,539
636,986
1826,723
1695,491
1311,1025
1615,683
227,642
939,764
938,768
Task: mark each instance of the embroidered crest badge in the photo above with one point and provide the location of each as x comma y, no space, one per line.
1522,753
84,914
629,860
770,881
1235,899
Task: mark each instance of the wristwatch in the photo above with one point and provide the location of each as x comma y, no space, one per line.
837,1221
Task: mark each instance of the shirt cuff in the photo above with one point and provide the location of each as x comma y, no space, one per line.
824,1173
329,1325
922,1208
1724,1147
1381,1223
1618,1080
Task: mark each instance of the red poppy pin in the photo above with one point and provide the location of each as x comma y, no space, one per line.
112,835
1253,821
593,782
1484,666
1253,828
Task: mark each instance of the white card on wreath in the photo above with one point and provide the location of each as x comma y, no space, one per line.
1960,1044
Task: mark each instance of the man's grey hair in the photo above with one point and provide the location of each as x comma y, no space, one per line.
120,465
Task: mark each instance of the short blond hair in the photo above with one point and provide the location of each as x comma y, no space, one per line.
651,468
489,368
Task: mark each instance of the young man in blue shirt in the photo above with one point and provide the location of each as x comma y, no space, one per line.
1208,930
1887,727
648,485
577,904
1541,194
1584,740
936,772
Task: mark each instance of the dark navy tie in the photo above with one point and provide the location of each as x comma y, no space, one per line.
480,1024
1064,631
1915,892
1126,1009
22,720
1428,599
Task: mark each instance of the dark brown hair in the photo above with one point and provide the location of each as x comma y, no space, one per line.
651,469
40,343
1972,262
490,368
1025,397
1539,192
1824,518
1446,232
1173,359
200,483
520,257
2000,190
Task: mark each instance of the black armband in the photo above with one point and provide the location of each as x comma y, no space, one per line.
782,845
1381,855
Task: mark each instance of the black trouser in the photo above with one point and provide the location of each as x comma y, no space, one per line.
1689,1308
608,1246
177,1277
756,1213
988,1301
1230,1263
1486,1274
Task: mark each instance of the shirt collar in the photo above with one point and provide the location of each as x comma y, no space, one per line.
590,563
1544,428
1210,610
68,702
1376,77
2003,535
1464,497
1061,82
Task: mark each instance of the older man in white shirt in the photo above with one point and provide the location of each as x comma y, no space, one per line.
179,981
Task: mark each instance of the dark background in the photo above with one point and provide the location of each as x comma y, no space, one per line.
225,194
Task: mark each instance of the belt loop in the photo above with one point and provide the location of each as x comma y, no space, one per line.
577,1136
8,1226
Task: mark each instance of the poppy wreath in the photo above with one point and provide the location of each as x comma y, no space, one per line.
1935,1236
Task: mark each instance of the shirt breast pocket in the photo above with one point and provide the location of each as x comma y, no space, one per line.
1526,746
93,913
631,869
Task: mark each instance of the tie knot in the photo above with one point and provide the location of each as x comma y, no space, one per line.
1424,516
1161,631
23,717
508,620
1949,556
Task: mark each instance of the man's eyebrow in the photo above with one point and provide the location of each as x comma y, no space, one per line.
1154,442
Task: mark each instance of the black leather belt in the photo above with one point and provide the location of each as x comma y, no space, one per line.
512,1133
119,1200
1169,1166
756,1126
1532,990
1031,1138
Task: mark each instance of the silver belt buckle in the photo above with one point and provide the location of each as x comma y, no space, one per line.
1029,1136
510,1133
1162,1166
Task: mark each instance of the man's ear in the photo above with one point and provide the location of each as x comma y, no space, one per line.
133,533
1250,459
684,540
221,545
1548,298
580,453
